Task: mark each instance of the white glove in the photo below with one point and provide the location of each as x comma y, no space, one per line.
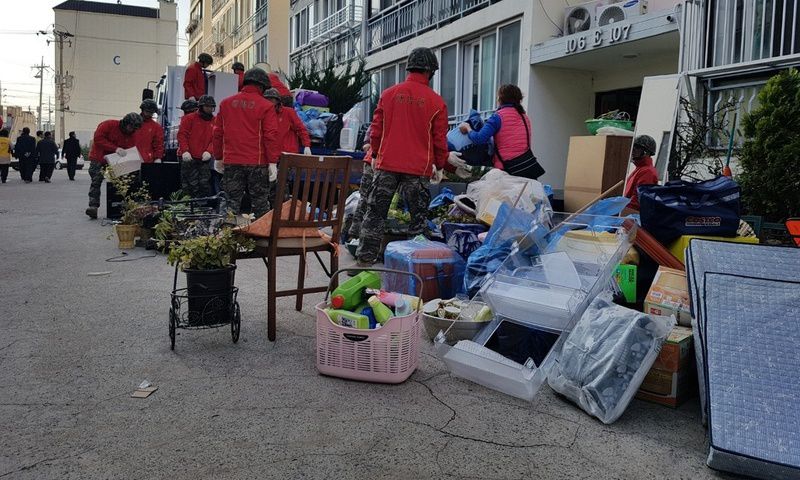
219,166
273,172
121,152
206,156
463,172
157,160
365,147
438,176
191,98
454,159
307,151
465,127
186,156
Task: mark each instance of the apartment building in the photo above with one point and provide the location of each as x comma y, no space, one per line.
246,31
325,30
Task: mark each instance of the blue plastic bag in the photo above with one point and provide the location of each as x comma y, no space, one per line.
445,197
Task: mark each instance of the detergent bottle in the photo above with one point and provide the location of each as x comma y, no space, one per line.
382,312
350,294
346,318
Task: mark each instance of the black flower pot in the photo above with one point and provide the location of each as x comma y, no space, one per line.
210,295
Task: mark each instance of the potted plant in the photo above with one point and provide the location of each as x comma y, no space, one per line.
134,196
208,264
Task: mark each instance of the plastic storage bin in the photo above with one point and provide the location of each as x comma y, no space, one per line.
440,269
543,287
389,354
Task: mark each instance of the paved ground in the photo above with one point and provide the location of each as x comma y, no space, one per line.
73,347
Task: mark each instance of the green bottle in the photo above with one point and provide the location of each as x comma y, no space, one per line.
345,318
350,294
381,311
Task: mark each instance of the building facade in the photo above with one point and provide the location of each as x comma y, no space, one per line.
114,51
17,118
324,31
246,31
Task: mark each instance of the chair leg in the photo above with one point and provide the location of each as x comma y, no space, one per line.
301,278
334,267
271,298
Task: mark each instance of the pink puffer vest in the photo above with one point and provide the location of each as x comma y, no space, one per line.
511,140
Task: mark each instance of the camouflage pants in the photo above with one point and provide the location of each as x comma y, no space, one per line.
384,186
366,183
196,178
239,179
96,173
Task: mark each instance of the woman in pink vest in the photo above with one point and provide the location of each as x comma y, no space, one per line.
511,129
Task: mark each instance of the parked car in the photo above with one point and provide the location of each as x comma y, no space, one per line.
62,163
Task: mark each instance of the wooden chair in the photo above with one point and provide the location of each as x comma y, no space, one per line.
315,181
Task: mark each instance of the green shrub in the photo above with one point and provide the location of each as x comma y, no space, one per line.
770,177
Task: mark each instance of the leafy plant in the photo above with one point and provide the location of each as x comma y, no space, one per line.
691,157
770,178
344,86
134,196
209,252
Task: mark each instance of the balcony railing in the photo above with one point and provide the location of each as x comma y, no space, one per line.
341,50
340,21
401,22
255,22
216,5
194,22
730,33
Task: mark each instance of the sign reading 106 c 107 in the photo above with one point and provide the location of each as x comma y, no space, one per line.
608,35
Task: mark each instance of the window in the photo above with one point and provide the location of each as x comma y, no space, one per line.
448,71
388,77
488,87
508,57
261,50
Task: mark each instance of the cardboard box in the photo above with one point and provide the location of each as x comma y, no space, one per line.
677,352
594,164
669,295
678,247
669,388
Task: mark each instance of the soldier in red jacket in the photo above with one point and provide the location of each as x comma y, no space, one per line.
150,137
408,141
291,131
238,69
194,147
111,136
194,80
246,140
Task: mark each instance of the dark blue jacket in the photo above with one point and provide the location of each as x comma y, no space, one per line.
46,151
25,147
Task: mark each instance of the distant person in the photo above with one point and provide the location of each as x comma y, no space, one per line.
189,106
5,154
46,156
111,136
291,131
150,137
195,81
238,69
71,151
25,152
644,147
39,136
246,139
510,128
194,148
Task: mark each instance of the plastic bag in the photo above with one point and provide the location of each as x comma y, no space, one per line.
606,356
351,204
440,268
498,186
445,197
614,131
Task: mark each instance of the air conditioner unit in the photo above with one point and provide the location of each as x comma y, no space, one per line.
619,12
580,18
219,49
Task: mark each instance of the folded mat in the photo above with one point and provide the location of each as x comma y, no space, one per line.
753,375
762,261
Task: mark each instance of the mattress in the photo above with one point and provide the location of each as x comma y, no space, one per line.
762,261
752,368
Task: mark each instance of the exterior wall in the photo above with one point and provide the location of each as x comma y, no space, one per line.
278,36
21,119
111,59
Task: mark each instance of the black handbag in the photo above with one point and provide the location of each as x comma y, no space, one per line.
524,165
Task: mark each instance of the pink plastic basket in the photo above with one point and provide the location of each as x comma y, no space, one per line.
389,354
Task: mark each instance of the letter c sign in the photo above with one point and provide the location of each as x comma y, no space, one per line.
116,60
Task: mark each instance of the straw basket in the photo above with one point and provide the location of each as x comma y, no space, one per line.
126,234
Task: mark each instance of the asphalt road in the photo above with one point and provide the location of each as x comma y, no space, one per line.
73,347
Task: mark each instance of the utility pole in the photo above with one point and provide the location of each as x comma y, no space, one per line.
41,67
62,81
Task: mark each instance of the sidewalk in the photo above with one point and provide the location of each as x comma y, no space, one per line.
74,347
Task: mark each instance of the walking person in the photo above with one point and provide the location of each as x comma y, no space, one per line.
46,156
194,147
25,152
195,81
150,137
408,140
5,154
111,136
71,151
510,127
246,140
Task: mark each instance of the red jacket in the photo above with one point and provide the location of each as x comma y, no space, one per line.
241,80
150,141
194,81
246,130
644,174
409,128
275,82
291,131
107,139
194,135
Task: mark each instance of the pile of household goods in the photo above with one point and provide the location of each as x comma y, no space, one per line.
360,303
